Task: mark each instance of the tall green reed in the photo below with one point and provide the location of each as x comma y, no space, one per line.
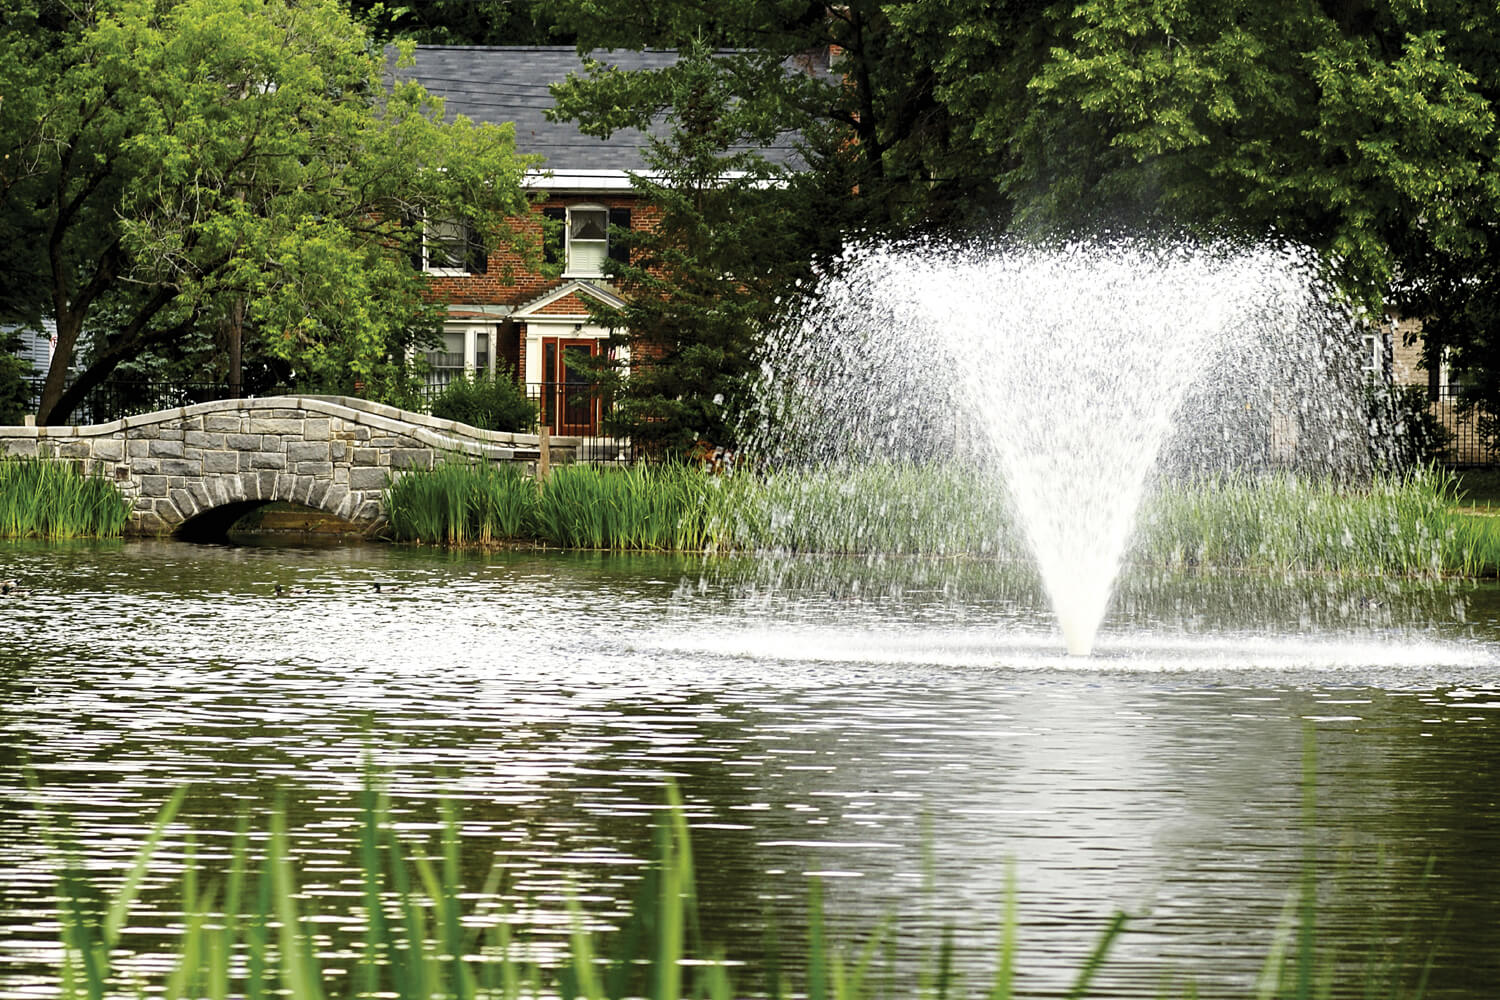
247,930
43,498
1401,525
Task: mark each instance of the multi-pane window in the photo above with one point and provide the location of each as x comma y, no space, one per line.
451,246
579,238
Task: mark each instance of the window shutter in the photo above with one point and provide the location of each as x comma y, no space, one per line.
619,218
412,223
476,254
554,234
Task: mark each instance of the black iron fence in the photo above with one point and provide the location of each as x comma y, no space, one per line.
567,409
1464,443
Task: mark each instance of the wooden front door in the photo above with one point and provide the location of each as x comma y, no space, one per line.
570,402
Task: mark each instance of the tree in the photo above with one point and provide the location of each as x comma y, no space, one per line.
173,164
887,156
699,284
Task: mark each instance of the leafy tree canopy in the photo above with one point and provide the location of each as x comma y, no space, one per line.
164,162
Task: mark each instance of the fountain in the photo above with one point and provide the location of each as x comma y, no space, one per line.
1072,377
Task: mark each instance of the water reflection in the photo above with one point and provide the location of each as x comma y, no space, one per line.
843,721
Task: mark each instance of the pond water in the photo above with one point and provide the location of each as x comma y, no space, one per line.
902,732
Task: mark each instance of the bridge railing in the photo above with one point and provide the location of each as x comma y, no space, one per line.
569,409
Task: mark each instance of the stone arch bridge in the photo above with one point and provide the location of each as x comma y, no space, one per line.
216,459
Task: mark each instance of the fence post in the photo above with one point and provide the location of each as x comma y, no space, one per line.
544,452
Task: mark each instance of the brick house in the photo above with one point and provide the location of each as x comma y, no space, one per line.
503,316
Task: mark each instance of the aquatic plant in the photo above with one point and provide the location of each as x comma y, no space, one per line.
43,498
422,934
457,502
641,507
1397,524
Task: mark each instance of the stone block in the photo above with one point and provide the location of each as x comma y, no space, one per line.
109,450
341,474
264,460
385,442
321,470
153,486
267,484
201,496
192,424
368,511
147,466
316,429
167,511
286,486
221,461
250,486
23,448
74,449
145,432
181,467
307,451
242,442
411,458
337,450
334,499
202,439
365,456
165,449
318,492
146,522
364,478
285,427
183,501
137,449
172,433
221,423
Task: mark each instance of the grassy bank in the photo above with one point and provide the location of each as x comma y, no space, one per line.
49,499
1400,525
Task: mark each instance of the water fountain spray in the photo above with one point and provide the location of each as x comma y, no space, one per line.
1074,376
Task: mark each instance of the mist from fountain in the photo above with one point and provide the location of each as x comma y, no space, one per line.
1073,377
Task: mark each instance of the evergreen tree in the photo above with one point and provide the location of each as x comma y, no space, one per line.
701,273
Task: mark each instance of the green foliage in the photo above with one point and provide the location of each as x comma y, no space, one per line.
458,502
193,159
15,387
699,283
641,507
41,498
490,402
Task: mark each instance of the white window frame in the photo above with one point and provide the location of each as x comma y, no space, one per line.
571,269
429,241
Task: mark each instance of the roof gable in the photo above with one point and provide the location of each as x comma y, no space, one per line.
572,299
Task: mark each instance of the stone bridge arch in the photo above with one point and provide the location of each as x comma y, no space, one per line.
330,453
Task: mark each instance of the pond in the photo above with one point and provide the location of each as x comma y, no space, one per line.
901,731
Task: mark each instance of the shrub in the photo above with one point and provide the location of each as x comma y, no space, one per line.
492,403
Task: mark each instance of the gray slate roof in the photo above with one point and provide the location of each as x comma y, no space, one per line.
509,84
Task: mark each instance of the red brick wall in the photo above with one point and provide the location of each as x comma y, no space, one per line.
509,282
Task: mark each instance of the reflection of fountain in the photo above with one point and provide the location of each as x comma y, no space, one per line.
1070,375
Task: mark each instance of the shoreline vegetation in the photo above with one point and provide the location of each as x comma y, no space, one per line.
1407,525
1416,524
42,498
422,932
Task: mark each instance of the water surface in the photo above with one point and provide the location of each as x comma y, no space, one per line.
877,726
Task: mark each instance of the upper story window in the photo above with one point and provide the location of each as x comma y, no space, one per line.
579,238
451,246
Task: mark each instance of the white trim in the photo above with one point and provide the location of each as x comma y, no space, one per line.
594,181
527,311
